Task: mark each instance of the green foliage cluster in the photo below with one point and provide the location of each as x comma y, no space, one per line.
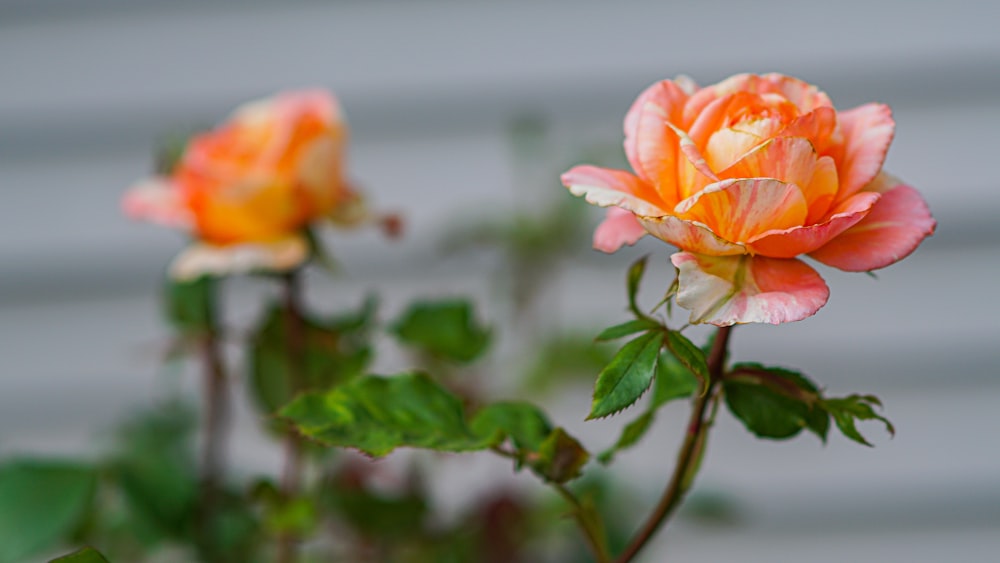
309,376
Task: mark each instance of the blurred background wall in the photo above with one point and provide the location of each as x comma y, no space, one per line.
431,89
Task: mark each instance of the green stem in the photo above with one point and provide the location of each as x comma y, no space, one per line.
688,456
594,534
291,476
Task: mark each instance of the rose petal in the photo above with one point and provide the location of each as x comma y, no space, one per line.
620,227
819,126
868,131
321,176
158,200
789,243
726,146
606,188
693,171
894,227
725,290
804,95
650,146
206,259
789,159
739,209
689,235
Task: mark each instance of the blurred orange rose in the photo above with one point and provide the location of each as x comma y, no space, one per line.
743,177
247,189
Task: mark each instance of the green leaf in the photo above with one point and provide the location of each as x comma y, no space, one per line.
560,457
766,412
376,514
627,328
443,329
690,355
190,305
379,414
792,385
635,273
847,411
673,381
524,423
154,472
334,350
41,503
83,555
631,434
296,516
628,375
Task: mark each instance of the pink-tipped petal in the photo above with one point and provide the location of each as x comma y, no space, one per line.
620,227
689,235
653,151
206,259
867,131
789,243
894,227
665,94
650,146
726,290
157,200
804,95
740,209
606,188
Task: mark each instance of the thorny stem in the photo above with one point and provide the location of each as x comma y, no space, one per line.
688,455
216,412
291,476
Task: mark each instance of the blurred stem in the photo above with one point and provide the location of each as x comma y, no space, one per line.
689,455
291,476
593,532
216,414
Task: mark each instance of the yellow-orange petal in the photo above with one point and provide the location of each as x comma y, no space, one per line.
158,200
789,159
693,171
867,131
726,290
789,243
819,126
619,228
726,146
689,235
201,259
605,187
739,209
894,227
793,160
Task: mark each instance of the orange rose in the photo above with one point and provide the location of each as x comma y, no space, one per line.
247,189
743,177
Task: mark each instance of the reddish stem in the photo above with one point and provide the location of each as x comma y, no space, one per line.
687,456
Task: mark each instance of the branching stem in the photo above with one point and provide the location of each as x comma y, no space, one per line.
688,456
